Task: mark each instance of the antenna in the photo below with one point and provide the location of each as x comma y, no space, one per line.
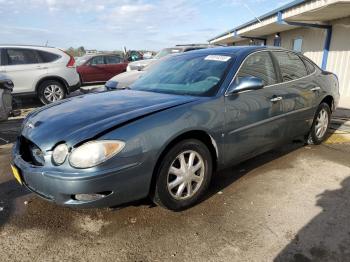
252,12
47,42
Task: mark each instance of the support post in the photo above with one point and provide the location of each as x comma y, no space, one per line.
327,45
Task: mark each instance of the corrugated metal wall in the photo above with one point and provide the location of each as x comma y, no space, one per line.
339,55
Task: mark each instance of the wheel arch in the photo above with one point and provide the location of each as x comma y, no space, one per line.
200,135
329,100
50,78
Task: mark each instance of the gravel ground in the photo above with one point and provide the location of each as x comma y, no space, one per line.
291,204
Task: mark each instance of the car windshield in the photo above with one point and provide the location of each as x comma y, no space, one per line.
198,75
167,51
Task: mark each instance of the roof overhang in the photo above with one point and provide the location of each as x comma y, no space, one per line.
319,12
322,13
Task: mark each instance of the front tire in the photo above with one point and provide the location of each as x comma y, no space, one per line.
51,91
320,125
183,175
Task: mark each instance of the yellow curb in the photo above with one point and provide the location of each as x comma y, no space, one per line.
338,138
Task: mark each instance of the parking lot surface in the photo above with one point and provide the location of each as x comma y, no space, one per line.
291,204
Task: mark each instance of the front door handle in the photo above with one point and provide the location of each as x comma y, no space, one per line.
276,99
315,89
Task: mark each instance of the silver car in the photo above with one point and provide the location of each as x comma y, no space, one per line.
139,65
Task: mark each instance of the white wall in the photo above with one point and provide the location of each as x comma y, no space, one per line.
313,41
339,57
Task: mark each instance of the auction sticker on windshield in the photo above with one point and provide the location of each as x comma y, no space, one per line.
221,58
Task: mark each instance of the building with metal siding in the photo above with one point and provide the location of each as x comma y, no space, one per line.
320,29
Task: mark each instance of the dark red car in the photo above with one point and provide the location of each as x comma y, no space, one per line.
100,68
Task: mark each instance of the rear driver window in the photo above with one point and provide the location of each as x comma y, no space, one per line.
259,65
21,56
310,67
291,66
97,60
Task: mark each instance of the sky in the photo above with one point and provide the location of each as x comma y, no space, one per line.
113,24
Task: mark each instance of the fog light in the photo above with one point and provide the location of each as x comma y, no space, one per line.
91,197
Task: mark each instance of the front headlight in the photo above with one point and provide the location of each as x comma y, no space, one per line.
128,68
94,153
59,154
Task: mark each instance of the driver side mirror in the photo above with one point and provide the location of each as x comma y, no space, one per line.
246,83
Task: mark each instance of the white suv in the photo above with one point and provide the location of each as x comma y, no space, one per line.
46,72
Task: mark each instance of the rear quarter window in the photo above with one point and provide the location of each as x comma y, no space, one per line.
47,57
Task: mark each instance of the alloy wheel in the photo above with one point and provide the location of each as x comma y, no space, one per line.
53,93
321,124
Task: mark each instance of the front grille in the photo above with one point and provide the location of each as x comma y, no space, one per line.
30,152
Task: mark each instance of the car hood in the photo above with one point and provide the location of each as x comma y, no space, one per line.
85,117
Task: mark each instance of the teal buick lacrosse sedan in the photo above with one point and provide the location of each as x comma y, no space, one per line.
166,136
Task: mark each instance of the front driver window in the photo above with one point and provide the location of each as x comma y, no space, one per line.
259,65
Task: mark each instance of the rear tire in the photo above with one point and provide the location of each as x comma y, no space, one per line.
320,125
51,91
183,175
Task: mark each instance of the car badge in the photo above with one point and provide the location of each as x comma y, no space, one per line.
30,125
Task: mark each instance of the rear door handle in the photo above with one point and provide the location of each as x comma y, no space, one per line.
41,67
276,99
315,89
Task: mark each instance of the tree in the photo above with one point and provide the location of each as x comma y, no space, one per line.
81,51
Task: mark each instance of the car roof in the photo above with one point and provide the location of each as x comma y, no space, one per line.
54,50
101,54
26,46
235,50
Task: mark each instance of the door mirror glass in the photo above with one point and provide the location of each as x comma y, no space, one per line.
245,84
